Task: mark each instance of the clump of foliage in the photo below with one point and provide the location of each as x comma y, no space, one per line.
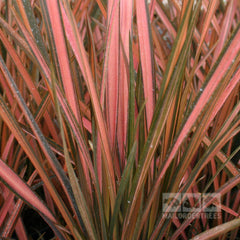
107,107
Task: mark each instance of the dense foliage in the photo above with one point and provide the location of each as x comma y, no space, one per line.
120,119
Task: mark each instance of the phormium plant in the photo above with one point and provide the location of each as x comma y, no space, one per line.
120,119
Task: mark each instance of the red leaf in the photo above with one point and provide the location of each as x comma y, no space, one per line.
143,24
19,187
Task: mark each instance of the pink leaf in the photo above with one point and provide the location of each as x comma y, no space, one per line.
143,25
19,187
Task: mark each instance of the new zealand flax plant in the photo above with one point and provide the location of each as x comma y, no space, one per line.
120,119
